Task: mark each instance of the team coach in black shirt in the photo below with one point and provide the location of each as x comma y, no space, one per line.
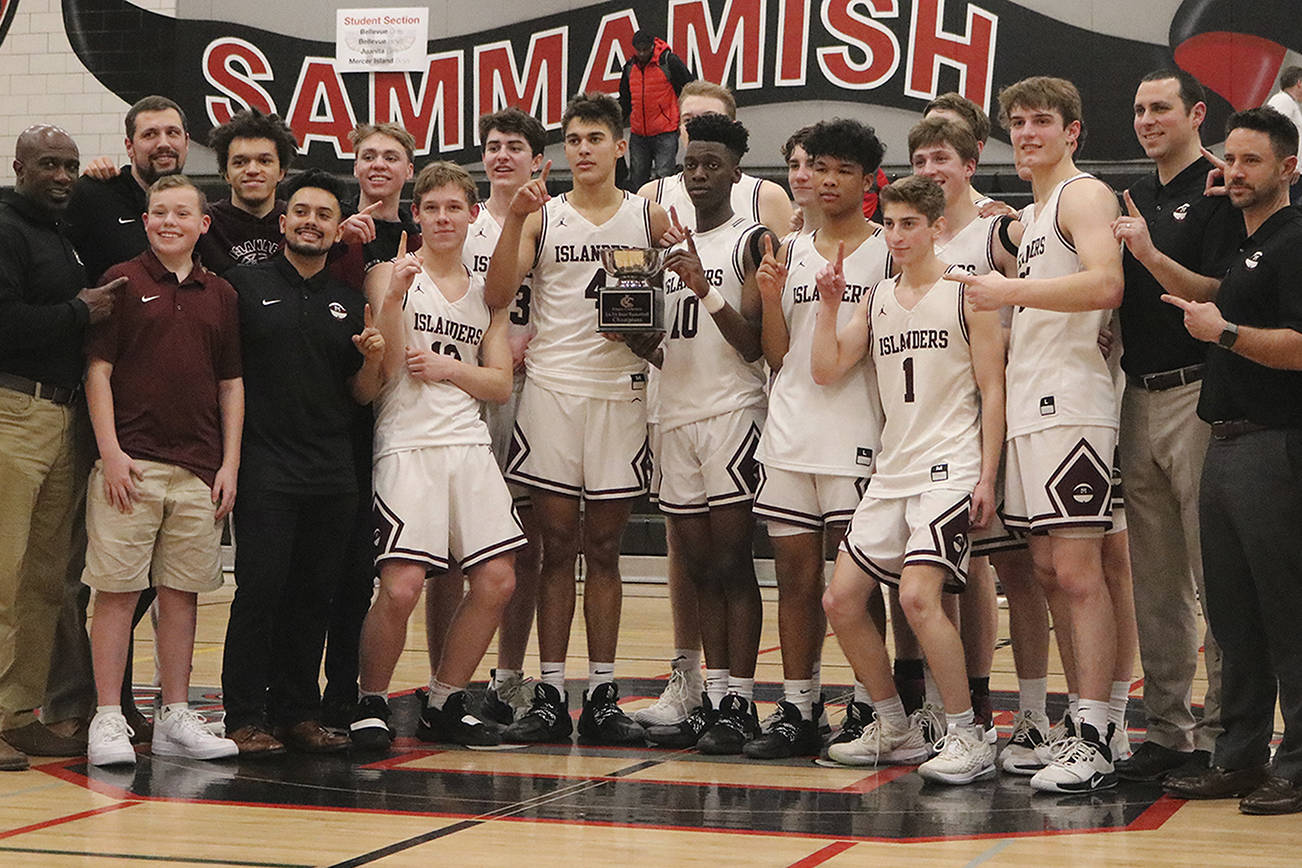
1251,499
309,353
44,310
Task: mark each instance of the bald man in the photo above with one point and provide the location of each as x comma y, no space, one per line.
44,310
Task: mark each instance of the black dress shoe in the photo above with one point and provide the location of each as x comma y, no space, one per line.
1275,796
1217,783
1151,762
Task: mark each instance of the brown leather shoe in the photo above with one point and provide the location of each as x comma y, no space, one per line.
1217,783
254,741
140,725
36,739
12,760
73,727
309,736
1275,796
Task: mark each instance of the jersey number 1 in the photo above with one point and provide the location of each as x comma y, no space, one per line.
908,380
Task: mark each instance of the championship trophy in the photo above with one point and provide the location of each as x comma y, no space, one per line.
633,304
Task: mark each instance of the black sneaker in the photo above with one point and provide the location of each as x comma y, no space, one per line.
548,718
454,724
1151,762
685,733
790,735
738,723
857,716
369,730
604,722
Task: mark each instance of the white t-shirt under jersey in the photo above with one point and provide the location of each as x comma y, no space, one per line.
932,434
704,375
1056,374
413,414
567,354
834,429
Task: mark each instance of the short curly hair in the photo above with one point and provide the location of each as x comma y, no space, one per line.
253,124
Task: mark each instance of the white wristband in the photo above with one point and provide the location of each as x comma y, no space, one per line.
713,301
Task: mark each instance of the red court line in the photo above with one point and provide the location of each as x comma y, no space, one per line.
875,780
59,821
820,856
1156,814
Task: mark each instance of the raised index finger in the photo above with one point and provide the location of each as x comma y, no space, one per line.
402,246
768,246
368,318
1130,204
547,167
840,256
691,243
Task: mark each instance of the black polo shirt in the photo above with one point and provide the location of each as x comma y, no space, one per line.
1262,288
298,357
42,322
105,221
1199,232
237,237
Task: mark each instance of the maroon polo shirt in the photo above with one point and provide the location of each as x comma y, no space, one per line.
169,346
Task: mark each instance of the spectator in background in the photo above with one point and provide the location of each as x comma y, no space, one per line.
1288,102
648,94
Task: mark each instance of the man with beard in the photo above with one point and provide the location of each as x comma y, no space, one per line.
309,359
104,217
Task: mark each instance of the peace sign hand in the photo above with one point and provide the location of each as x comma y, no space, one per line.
771,276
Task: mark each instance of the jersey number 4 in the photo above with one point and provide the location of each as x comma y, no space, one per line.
594,287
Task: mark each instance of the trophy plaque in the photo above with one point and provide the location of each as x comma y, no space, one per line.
632,304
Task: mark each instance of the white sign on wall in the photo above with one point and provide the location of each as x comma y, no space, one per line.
382,39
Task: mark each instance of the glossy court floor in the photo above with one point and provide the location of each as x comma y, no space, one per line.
561,805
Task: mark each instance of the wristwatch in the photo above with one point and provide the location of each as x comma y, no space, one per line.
1228,336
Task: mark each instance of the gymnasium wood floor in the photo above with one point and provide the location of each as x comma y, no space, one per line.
554,806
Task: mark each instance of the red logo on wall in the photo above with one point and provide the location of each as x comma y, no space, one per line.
7,8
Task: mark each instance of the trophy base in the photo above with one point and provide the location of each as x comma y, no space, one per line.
621,310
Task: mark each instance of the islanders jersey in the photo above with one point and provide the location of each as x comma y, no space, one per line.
567,354
1056,374
834,429
481,240
703,375
413,414
932,433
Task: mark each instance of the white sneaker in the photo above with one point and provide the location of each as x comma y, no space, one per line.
186,734
674,704
1082,764
930,718
1021,756
1056,741
882,744
964,757
108,742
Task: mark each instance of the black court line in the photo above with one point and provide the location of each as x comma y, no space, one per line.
187,860
508,810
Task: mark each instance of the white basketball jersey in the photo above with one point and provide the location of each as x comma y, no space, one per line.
672,192
832,429
932,434
703,375
567,354
1056,374
413,414
973,247
481,240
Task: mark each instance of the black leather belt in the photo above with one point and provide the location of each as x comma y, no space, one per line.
1164,380
1235,428
56,394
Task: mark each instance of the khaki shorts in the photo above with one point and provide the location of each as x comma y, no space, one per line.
169,539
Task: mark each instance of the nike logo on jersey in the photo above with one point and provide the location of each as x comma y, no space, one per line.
148,298
126,220
270,301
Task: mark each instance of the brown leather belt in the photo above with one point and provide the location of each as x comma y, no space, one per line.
1235,428
56,394
1164,380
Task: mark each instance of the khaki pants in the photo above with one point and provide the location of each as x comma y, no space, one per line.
1162,444
41,489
